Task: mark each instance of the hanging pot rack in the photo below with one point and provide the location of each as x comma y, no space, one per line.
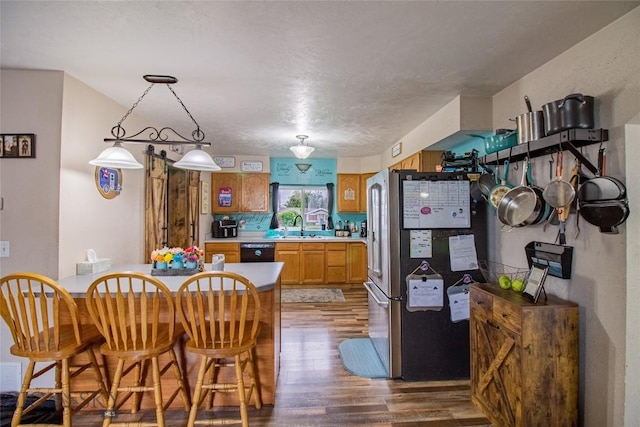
569,140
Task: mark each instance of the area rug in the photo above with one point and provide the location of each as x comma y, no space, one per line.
360,358
312,295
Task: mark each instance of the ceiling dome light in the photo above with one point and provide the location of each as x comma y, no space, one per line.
197,160
116,157
302,151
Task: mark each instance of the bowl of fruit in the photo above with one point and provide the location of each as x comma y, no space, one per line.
503,275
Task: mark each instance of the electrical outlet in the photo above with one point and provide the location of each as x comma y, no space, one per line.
4,249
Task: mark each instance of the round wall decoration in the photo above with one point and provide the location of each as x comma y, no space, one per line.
108,181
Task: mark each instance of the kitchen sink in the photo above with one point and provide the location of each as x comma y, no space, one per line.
292,237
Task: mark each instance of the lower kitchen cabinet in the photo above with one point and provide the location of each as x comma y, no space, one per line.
289,254
524,358
312,263
357,263
317,263
336,257
231,251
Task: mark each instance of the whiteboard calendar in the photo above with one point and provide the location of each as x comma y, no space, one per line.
436,204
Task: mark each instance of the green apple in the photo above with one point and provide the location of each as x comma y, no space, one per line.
517,285
504,282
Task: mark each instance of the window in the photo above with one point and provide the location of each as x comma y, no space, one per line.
311,203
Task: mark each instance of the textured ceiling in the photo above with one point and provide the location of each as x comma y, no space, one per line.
355,76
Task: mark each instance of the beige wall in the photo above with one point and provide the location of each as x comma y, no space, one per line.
632,385
114,228
31,102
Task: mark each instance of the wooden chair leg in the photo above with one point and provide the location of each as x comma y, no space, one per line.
138,372
22,395
98,376
111,405
255,381
197,391
212,380
244,415
157,391
57,396
66,396
183,389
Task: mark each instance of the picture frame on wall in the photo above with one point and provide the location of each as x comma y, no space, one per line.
18,146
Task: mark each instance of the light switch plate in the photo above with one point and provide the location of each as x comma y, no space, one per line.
4,249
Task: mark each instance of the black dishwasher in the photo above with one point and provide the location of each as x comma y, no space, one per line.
257,252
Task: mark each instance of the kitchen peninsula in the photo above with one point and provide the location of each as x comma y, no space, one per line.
265,276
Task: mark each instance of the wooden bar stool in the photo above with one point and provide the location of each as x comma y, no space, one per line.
44,323
135,313
220,312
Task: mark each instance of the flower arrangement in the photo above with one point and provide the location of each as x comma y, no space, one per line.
194,254
177,257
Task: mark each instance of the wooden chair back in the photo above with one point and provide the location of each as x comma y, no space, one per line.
32,305
133,311
219,310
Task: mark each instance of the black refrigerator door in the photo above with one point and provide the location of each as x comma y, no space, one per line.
434,347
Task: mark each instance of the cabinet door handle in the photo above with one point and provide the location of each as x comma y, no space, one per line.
493,325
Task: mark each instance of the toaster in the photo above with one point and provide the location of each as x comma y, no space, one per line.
224,228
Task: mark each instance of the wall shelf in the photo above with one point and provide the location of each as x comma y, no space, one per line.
570,139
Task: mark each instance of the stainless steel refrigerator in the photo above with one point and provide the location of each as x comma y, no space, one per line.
412,218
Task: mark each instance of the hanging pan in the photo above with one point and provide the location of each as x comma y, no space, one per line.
499,190
559,193
520,206
600,203
487,181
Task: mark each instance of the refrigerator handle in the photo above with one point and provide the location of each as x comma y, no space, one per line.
384,304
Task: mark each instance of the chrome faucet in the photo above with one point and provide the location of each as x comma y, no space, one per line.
295,220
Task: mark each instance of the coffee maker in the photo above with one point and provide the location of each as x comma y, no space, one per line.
363,229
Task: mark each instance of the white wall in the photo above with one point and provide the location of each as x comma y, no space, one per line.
606,66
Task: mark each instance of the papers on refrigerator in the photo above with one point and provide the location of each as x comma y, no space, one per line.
462,252
458,302
425,292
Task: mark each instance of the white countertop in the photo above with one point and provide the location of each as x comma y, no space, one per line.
290,238
264,275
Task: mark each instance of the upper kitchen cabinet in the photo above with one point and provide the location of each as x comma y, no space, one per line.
349,192
363,190
422,161
255,192
235,192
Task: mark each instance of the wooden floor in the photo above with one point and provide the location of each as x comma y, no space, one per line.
315,390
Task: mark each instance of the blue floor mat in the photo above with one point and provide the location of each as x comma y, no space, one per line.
360,358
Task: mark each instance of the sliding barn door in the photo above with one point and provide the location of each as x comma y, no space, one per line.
183,207
172,206
155,205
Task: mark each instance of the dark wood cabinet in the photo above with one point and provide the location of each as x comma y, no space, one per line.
524,358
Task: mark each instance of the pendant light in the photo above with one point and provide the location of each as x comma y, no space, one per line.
118,157
301,150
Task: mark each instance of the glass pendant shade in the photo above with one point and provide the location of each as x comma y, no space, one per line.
302,151
197,160
116,157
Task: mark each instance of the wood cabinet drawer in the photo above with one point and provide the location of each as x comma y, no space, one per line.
481,306
287,246
507,314
312,246
337,246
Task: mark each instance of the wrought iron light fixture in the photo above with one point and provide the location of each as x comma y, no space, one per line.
118,157
301,150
